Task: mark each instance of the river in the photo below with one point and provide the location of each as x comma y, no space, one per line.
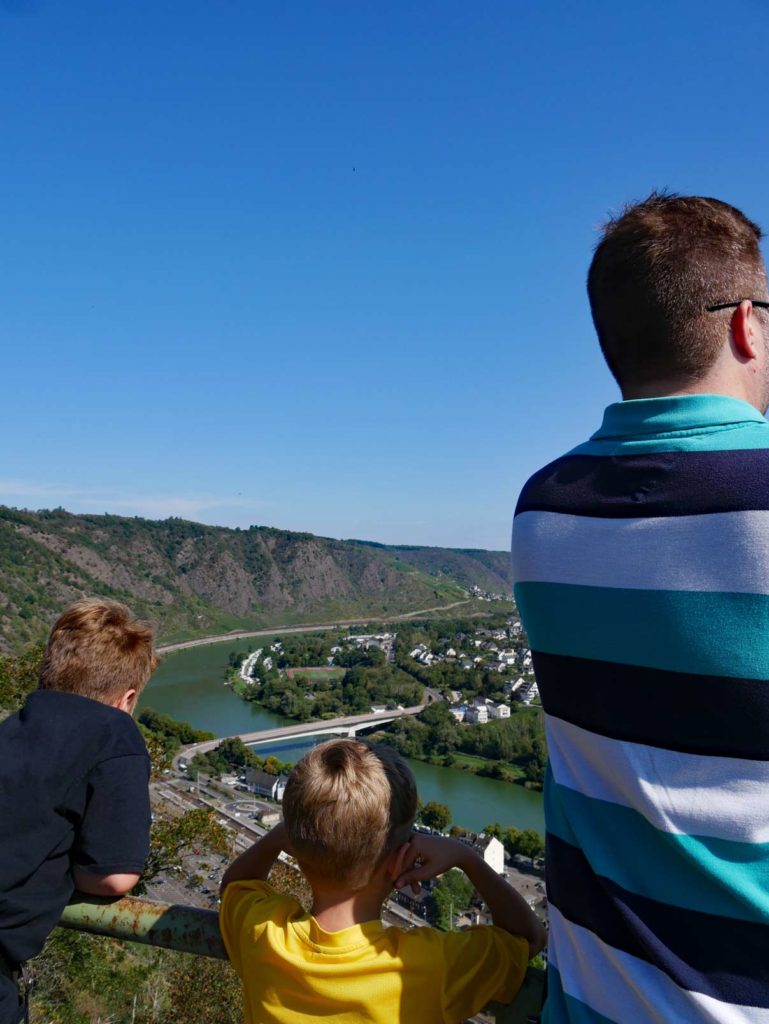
189,686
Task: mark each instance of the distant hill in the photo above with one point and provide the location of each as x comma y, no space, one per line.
193,580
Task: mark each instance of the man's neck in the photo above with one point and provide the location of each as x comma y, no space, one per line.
710,385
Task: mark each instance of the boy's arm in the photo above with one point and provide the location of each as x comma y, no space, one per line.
103,885
112,840
429,856
256,862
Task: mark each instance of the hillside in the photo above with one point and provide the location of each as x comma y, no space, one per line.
192,579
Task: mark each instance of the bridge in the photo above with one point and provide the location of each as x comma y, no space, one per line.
348,725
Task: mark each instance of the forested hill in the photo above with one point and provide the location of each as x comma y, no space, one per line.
193,580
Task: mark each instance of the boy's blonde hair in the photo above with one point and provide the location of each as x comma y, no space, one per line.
98,649
347,805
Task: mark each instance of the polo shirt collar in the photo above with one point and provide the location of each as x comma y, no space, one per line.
640,417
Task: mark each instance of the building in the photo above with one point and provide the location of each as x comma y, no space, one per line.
492,851
498,710
263,784
458,711
477,713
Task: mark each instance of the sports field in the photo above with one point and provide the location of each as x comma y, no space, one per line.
317,673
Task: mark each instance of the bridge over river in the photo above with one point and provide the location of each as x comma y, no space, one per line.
346,726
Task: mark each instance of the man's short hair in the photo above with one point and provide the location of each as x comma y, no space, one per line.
98,649
656,269
347,805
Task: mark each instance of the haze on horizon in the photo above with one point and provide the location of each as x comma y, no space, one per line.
322,268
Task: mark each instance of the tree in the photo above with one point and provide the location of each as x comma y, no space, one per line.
172,838
19,676
436,816
526,843
451,895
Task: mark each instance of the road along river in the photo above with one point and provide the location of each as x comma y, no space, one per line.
189,687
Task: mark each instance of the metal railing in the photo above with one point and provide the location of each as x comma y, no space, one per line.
190,930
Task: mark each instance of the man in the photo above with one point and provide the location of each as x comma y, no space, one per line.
74,800
641,561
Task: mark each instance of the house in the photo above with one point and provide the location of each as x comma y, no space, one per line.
477,714
451,653
492,851
459,711
529,693
490,848
263,784
455,696
498,710
466,664
511,687
496,666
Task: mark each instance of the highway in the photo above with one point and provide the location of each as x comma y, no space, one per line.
237,634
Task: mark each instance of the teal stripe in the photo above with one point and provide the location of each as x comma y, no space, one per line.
734,437
681,631
561,1008
715,876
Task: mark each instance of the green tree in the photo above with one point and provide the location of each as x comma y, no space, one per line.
172,838
19,676
451,895
436,816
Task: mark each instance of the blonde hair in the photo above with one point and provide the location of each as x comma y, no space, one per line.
347,805
98,649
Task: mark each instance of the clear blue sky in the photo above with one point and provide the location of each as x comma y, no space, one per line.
321,265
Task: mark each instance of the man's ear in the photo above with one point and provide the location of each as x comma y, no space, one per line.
126,702
747,336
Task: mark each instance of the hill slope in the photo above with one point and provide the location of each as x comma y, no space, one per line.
192,579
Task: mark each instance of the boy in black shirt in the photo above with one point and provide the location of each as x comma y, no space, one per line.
74,771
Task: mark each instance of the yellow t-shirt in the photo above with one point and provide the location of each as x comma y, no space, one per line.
293,971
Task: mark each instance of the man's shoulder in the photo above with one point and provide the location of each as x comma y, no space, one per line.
656,483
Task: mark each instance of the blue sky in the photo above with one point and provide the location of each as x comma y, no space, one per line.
321,265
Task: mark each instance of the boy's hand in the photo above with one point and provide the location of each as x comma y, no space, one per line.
425,857
280,835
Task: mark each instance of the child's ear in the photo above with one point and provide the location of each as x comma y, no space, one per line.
126,701
396,860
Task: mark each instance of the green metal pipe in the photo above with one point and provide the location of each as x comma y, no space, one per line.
185,929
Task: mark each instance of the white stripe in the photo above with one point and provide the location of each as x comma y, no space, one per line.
721,797
722,552
628,990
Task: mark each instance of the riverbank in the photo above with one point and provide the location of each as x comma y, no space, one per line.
188,687
472,764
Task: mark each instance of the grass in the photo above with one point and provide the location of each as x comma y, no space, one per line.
318,674
475,763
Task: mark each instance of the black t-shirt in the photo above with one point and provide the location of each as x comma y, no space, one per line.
73,791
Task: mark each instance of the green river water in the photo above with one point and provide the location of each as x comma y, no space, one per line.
189,686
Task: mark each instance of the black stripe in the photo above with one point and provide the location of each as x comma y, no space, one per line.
660,484
718,956
716,715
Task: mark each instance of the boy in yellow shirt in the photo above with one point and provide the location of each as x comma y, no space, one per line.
349,809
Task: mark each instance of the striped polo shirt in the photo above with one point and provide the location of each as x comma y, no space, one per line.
641,566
